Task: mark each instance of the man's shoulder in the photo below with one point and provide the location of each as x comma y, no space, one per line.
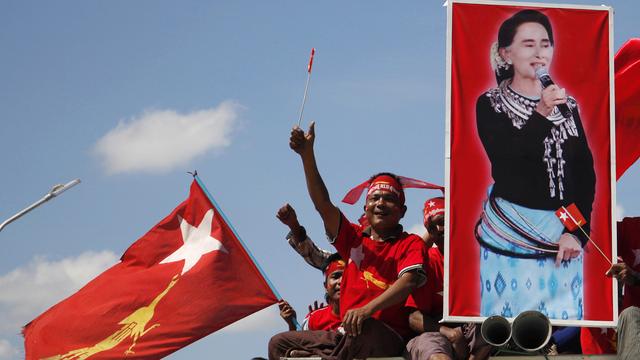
408,239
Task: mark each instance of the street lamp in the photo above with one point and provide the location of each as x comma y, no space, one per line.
55,191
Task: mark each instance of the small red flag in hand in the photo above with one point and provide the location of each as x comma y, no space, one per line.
571,217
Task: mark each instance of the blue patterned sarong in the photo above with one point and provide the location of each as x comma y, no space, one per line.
511,285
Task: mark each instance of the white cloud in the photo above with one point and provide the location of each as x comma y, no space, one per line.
161,140
29,290
7,351
267,318
619,212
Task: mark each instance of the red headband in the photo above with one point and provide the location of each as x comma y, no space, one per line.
386,182
333,266
433,207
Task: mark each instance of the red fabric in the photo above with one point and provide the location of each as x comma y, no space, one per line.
372,267
433,207
313,52
323,319
354,194
594,341
627,75
139,293
571,217
333,266
629,250
428,298
578,55
386,183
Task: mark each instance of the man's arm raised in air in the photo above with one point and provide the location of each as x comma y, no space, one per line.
302,144
299,240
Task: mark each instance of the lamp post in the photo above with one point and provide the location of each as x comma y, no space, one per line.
55,191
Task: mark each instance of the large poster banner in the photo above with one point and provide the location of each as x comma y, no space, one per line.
530,182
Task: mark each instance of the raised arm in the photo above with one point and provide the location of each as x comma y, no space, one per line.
299,240
302,144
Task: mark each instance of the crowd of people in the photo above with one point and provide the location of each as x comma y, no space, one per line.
384,287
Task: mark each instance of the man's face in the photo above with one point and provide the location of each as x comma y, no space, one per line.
332,284
384,210
435,228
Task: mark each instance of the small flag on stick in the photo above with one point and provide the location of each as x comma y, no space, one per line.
572,219
306,86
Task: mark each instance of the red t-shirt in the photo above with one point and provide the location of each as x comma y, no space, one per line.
629,250
323,319
372,267
428,298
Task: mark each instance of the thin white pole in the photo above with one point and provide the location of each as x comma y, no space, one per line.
55,191
306,85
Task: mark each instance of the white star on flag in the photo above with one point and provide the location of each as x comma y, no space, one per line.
432,204
356,255
197,242
563,216
636,253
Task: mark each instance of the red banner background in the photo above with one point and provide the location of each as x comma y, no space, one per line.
581,65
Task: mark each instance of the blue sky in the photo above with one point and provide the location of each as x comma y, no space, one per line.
85,84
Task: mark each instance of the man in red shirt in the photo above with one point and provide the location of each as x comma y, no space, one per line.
328,317
438,341
325,317
384,265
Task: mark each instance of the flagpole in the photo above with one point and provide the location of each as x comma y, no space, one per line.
587,235
306,86
264,275
246,249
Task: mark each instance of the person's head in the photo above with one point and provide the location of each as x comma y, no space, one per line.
384,205
332,269
434,220
525,42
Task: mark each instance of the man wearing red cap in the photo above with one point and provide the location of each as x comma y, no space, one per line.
438,341
384,265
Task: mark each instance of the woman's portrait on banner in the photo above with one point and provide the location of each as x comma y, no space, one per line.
542,177
540,162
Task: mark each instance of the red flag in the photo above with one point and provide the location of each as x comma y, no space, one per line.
627,78
571,217
188,276
596,341
313,52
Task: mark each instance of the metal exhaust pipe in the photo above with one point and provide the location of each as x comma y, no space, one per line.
531,330
496,330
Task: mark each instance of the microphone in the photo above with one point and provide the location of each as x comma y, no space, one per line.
543,75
